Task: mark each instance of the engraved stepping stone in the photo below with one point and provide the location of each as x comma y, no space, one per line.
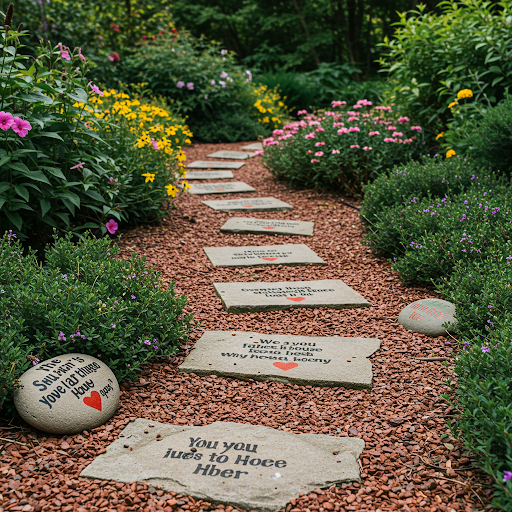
303,360
427,316
249,297
209,175
250,467
257,146
258,204
220,188
202,164
269,226
234,155
292,254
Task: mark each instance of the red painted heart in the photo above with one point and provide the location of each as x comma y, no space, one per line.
94,400
247,205
286,366
296,299
269,259
268,227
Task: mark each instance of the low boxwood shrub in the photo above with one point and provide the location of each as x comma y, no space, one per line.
340,149
83,300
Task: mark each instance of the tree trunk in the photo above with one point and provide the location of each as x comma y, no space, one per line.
306,31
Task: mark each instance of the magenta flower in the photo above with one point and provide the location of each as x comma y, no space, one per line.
155,145
180,84
64,52
77,166
6,120
112,226
147,342
62,337
80,54
486,349
319,153
353,146
507,475
20,126
190,86
96,89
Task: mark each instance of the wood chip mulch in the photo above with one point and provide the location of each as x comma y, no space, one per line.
410,462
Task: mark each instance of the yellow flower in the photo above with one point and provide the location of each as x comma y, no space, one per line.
452,104
465,93
439,135
171,190
186,185
149,177
450,153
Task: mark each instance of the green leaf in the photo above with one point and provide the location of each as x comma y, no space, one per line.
2,201
4,185
15,218
54,171
71,196
33,175
4,160
79,95
35,97
45,206
95,195
22,192
52,135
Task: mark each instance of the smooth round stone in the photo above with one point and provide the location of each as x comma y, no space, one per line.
67,394
427,316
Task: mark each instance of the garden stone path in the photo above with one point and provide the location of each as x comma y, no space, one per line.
405,464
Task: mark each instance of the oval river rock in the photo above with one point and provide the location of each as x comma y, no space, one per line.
67,394
427,316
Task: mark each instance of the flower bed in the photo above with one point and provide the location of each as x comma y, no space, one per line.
342,148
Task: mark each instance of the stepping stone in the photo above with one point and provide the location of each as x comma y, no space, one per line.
202,164
256,205
303,360
292,254
234,155
257,146
427,316
269,226
209,175
220,188
250,467
249,297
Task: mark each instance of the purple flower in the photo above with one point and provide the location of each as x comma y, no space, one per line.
111,226
486,349
113,326
65,277
35,361
190,86
155,347
507,475
180,84
222,83
147,342
466,345
62,337
224,75
212,82
133,296
490,307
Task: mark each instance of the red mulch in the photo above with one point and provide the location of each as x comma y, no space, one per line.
405,465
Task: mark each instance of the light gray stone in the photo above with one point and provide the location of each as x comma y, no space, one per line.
233,155
427,316
67,394
303,360
257,204
246,466
220,188
209,175
257,146
268,226
248,297
203,164
291,254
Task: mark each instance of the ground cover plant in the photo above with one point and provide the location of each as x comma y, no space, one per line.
83,300
341,148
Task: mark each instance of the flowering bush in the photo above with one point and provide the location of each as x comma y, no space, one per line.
83,300
271,110
206,83
342,148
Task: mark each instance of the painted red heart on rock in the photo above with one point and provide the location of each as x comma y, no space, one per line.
247,205
269,259
286,366
94,400
296,299
268,227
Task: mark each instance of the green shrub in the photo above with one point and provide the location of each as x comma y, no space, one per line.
84,300
431,178
432,56
341,149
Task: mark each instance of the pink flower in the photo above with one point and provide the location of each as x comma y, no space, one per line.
302,112
77,166
373,133
367,148
353,118
112,226
114,57
343,130
20,126
319,129
319,153
389,139
403,119
64,52
319,144
259,152
155,145
398,134
391,128
338,103
6,120
417,128
354,146
96,89
335,125
354,129
310,135
335,151
314,161
80,54
275,133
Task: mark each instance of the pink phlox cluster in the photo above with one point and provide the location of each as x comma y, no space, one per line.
385,109
391,128
319,144
64,53
354,129
371,134
302,112
367,148
357,106
286,136
314,161
309,151
343,130
314,123
353,118
259,152
398,134
319,129
416,128
403,119
389,139
310,135
335,151
364,103
267,141
408,141
338,103
329,113
352,113
275,133
353,146
335,125
319,153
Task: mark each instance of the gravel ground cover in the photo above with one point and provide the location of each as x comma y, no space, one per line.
407,464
